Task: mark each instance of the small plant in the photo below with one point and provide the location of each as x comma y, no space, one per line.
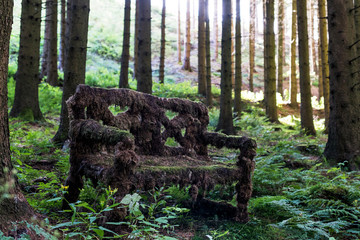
84,223
155,219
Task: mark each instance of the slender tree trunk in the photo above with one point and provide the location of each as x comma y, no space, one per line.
201,50
357,23
136,40
52,69
306,109
281,45
125,55
312,36
45,50
179,33
252,43
15,207
343,144
62,35
324,60
321,84
225,119
265,53
26,102
232,46
193,25
75,62
208,56
293,81
162,48
270,66
238,77
144,72
186,65
216,30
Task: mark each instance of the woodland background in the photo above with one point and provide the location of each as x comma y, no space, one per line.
288,68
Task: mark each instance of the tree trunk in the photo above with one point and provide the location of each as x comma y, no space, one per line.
136,40
281,45
201,50
186,65
193,25
252,44
45,50
26,102
293,81
238,77
324,60
270,67
162,48
232,46
305,92
179,33
144,72
75,62
52,70
125,55
225,119
208,56
312,36
343,144
62,35
216,30
15,207
320,71
357,23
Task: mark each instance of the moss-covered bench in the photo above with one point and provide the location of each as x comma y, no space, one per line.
129,151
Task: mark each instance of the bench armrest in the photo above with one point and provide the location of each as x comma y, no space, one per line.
92,131
246,145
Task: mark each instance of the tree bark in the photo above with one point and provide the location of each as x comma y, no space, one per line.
320,71
125,55
62,35
45,50
293,81
238,77
307,123
144,72
208,56
216,30
225,119
357,23
252,44
186,65
75,62
232,46
270,67
179,33
52,66
15,207
343,144
136,40
324,59
26,102
281,46
162,47
201,50
312,36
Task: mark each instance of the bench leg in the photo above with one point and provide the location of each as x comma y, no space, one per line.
74,182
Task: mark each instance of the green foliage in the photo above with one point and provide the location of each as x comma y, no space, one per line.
102,78
84,219
158,217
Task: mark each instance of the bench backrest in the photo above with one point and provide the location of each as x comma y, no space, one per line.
145,118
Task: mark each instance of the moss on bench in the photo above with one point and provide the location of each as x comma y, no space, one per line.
128,151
